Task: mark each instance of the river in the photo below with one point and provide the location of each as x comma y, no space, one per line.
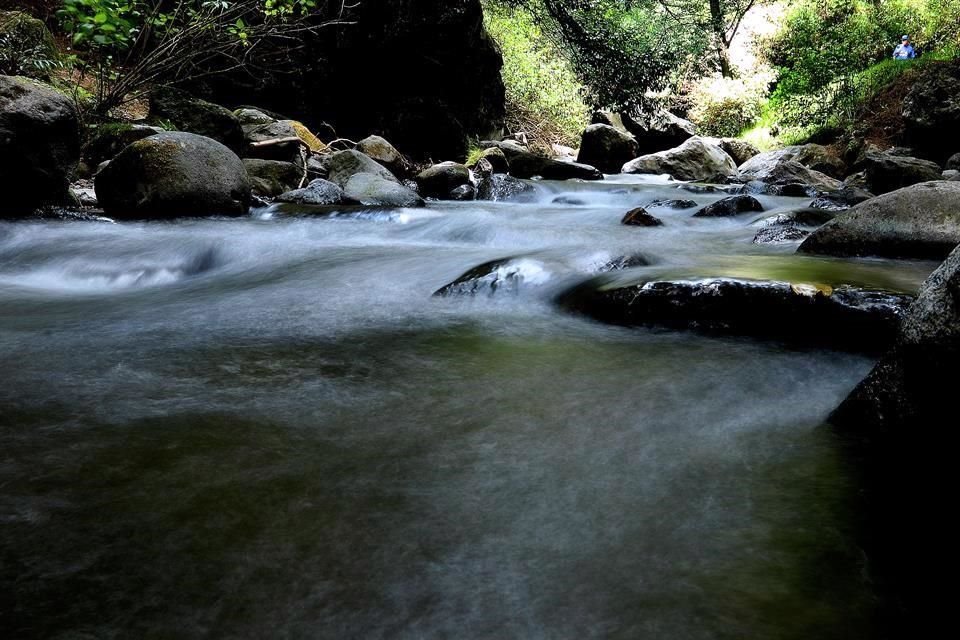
269,428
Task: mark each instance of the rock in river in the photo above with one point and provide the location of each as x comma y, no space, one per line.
844,317
607,148
640,218
374,190
497,276
695,159
730,206
174,174
921,221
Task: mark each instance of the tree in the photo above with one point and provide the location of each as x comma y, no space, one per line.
130,46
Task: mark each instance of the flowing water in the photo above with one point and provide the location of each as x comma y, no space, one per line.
269,428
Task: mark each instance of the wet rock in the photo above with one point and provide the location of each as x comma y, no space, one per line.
625,262
606,148
374,190
696,160
385,153
110,139
779,234
193,115
441,179
953,163
673,204
270,178
921,221
779,168
251,116
843,317
739,150
171,175
800,217
842,199
39,144
950,174
499,187
526,164
569,200
657,131
497,277
731,206
463,193
640,218
318,192
342,165
886,172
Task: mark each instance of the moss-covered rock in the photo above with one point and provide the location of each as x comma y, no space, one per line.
191,114
26,46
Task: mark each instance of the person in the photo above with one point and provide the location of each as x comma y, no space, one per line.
904,51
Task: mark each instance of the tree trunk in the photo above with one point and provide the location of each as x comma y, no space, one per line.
718,23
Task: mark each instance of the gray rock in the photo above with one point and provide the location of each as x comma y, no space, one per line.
385,153
249,116
464,192
193,115
39,144
496,159
342,165
739,150
673,204
779,168
606,148
171,175
696,159
953,162
318,192
842,199
375,190
658,131
526,164
779,235
841,317
499,187
921,221
270,178
640,218
800,217
950,174
931,109
886,172
730,206
441,179
508,276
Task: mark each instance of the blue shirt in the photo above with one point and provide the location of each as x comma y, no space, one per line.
904,52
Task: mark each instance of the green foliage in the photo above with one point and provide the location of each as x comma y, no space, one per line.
26,48
544,96
726,106
102,24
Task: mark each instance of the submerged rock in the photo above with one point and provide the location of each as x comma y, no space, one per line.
640,218
779,234
673,204
174,174
730,206
921,221
844,317
497,276
39,144
625,262
696,159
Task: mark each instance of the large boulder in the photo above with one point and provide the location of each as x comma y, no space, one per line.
779,168
739,150
441,180
172,175
931,110
696,159
898,422
526,164
841,317
191,114
606,148
19,33
885,172
342,165
39,144
921,221
658,131
110,139
448,91
374,190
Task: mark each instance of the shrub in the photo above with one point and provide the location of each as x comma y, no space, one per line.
726,106
544,98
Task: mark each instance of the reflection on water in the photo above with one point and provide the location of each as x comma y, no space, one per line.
270,428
